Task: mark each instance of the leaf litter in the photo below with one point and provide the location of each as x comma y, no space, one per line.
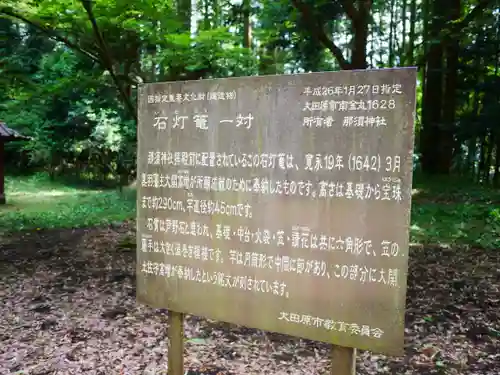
67,302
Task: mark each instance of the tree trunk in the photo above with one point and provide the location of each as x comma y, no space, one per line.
359,16
247,24
381,13
391,35
360,25
206,15
471,157
402,53
410,57
372,47
184,12
216,14
489,158
482,158
496,175
450,94
436,157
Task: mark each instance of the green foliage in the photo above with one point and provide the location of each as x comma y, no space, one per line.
73,94
63,83
458,214
36,202
455,212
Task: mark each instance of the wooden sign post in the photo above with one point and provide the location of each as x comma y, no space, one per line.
280,203
176,347
343,361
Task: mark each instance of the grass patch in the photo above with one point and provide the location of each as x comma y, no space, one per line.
445,211
36,202
451,211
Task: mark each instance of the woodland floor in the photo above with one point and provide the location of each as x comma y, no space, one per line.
67,303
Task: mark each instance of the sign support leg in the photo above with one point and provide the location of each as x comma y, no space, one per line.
343,361
176,337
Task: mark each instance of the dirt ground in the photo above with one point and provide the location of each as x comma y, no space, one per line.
67,306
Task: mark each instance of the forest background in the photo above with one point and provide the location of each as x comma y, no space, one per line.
69,72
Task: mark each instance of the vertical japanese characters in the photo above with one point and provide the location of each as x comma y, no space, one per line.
261,200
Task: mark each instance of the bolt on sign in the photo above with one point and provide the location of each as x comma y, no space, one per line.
280,202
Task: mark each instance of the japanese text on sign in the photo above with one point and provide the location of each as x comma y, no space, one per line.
280,202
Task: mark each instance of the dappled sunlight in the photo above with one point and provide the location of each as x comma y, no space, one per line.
416,229
249,161
37,203
438,216
49,194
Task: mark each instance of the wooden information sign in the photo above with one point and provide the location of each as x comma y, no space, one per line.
280,202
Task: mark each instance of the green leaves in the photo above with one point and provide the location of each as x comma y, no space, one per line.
38,203
457,213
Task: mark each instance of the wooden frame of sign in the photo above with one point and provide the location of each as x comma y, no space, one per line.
280,203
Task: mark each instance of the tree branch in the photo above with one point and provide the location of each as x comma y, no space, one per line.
478,9
350,10
52,34
317,31
456,28
106,59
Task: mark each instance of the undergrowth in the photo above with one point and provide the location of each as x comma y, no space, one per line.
445,212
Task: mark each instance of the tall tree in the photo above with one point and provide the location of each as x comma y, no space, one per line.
358,13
